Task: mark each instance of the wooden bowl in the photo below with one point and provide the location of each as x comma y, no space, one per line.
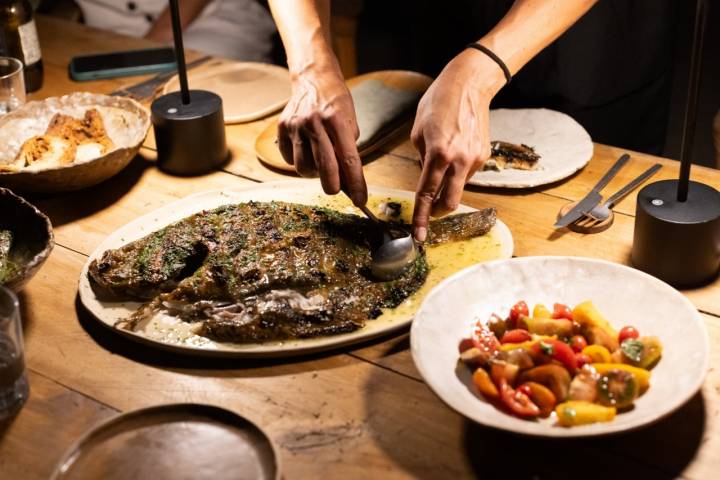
126,121
32,238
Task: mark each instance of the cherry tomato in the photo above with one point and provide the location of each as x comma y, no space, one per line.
487,340
540,395
562,311
627,332
556,350
484,383
518,310
466,344
515,336
525,388
577,343
582,359
517,402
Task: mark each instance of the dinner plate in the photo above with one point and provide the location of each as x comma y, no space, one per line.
563,145
169,333
249,90
178,441
624,295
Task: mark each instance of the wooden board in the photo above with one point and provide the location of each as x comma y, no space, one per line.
350,415
266,147
249,90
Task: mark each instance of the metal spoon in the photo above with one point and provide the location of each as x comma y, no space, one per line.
602,212
394,255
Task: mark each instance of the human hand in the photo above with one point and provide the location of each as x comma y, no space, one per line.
451,133
317,133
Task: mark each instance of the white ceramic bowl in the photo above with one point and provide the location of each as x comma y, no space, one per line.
624,295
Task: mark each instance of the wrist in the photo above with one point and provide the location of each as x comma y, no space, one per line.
317,58
485,75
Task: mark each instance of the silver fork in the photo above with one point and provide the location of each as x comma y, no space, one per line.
601,212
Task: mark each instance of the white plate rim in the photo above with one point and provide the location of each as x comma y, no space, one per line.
609,428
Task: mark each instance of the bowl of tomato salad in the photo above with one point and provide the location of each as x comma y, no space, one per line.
560,346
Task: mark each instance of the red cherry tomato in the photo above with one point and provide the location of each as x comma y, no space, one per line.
556,350
582,359
466,344
562,311
517,402
516,336
577,343
627,332
525,388
518,310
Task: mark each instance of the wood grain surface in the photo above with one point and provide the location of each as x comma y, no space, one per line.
360,413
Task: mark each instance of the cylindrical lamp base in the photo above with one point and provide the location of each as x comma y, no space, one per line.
678,242
190,138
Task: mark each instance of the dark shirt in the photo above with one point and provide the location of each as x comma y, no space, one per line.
611,71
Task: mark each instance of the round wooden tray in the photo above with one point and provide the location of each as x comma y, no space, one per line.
587,224
249,90
179,441
266,147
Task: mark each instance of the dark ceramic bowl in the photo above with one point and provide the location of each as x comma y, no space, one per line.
32,240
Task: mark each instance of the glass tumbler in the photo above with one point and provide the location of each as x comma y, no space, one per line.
12,84
13,378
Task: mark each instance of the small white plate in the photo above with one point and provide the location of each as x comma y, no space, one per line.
563,145
624,295
171,334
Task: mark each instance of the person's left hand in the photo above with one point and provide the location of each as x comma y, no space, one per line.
451,133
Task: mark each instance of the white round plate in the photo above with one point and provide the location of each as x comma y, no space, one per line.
563,145
173,337
249,90
624,295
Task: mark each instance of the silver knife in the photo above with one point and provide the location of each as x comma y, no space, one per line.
146,88
593,197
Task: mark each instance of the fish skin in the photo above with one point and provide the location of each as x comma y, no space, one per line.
257,271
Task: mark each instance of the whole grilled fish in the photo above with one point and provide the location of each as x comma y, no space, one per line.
257,271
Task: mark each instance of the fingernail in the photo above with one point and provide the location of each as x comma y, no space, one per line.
420,234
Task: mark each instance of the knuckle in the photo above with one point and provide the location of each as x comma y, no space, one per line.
424,197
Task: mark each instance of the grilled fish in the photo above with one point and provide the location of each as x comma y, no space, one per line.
504,155
254,272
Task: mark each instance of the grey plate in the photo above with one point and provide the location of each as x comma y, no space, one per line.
179,441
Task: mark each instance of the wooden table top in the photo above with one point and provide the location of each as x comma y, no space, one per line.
362,412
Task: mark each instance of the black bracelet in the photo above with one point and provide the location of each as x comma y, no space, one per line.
497,60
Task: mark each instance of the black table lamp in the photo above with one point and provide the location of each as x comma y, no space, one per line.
189,126
677,224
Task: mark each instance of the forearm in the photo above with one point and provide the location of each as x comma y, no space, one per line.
189,11
527,28
304,27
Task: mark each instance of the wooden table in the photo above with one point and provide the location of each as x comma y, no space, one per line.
363,412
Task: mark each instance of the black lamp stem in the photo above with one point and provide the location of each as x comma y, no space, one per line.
179,51
691,106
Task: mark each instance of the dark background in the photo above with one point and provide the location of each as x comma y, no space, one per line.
390,33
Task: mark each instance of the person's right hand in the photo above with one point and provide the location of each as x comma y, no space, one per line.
317,133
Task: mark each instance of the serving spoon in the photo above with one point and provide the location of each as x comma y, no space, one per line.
395,253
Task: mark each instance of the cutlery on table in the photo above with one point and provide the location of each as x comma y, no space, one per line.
146,89
602,212
593,198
